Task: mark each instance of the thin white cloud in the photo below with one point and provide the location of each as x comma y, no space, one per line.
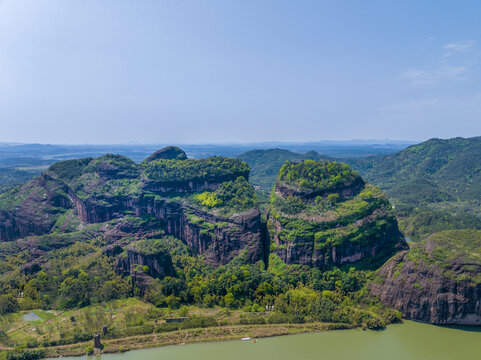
418,76
459,47
444,72
453,65
452,72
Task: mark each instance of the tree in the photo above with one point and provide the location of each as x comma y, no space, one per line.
8,304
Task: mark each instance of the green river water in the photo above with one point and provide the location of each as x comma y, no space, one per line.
405,341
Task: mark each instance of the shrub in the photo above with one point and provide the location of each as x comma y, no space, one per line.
317,175
376,323
183,311
25,355
166,327
199,322
89,350
391,316
8,304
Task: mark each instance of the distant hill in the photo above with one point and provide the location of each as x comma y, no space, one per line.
265,164
434,171
13,177
435,185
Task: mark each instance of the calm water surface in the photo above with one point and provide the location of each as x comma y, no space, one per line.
403,341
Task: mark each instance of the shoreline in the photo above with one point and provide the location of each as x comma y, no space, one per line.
190,336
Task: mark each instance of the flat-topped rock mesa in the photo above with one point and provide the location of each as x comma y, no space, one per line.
166,177
323,214
437,281
310,179
207,203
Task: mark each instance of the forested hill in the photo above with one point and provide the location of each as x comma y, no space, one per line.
433,171
265,164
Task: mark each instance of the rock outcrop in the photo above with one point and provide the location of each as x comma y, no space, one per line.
219,239
156,264
112,186
437,281
144,261
333,219
167,153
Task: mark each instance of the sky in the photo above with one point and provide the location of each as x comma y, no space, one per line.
110,71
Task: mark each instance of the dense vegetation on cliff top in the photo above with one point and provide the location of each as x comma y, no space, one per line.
168,152
191,170
318,176
236,195
162,170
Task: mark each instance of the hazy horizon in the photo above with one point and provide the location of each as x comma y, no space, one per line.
231,143
170,72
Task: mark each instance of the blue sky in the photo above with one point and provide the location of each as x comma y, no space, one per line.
111,71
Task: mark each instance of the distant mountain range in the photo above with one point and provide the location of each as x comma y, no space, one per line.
21,162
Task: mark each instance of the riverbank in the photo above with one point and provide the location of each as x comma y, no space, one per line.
409,340
132,324
188,336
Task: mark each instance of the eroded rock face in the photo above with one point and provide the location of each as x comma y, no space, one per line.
143,267
427,289
157,265
92,192
179,187
226,239
322,253
219,239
